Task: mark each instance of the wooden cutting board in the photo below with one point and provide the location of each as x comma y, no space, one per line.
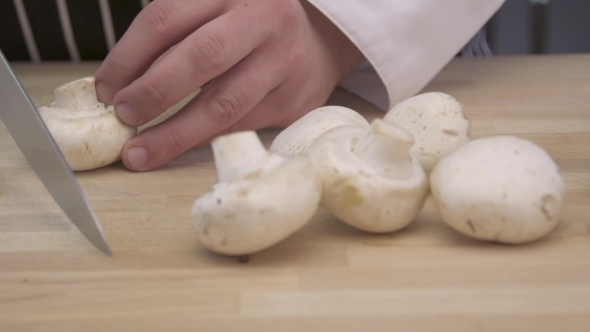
328,276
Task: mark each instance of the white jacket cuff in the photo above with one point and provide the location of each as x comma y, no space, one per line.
406,43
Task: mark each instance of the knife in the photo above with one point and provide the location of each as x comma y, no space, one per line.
26,126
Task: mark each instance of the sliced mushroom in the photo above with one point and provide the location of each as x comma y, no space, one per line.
369,178
88,133
501,188
437,122
296,139
261,198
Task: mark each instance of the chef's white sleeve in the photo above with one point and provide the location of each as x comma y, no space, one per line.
405,42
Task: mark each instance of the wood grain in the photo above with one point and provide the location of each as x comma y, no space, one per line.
328,276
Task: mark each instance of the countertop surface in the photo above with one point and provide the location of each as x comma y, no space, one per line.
326,277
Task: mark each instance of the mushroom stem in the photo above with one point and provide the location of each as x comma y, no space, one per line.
77,95
237,155
386,148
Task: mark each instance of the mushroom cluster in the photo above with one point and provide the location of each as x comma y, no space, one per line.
377,176
89,134
374,176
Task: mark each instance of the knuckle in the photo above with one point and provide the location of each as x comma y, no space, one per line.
225,107
175,140
231,129
153,93
208,53
157,17
280,99
297,55
119,61
288,12
295,61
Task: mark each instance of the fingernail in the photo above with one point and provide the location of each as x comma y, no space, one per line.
103,93
137,157
127,113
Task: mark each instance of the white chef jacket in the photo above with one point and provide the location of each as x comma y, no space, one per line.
405,42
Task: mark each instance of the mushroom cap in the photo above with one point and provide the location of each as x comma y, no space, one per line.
501,188
88,134
259,209
366,197
296,138
437,122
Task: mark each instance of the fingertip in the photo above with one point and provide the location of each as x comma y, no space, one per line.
127,114
103,92
135,157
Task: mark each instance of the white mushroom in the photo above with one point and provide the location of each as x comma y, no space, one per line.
296,139
502,189
261,198
436,121
88,133
369,178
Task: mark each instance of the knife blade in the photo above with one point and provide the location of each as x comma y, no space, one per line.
28,130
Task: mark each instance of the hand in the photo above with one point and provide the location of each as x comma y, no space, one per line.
260,63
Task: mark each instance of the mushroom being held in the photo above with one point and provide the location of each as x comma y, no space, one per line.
296,139
436,121
88,133
369,178
261,198
502,188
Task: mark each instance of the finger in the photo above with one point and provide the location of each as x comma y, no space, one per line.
166,54
155,29
217,107
207,53
159,59
279,109
265,114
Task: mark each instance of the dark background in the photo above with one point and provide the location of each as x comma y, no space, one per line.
520,27
523,27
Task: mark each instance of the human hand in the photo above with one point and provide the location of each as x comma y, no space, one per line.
260,63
